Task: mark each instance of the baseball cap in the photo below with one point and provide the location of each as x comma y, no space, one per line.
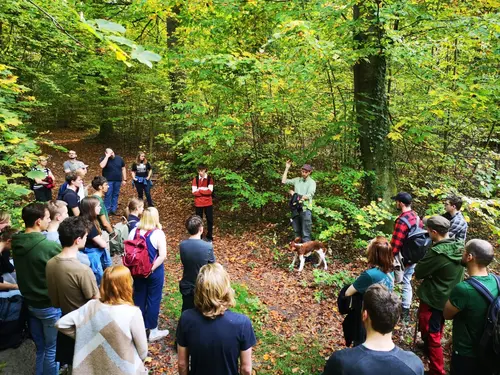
80,165
438,223
307,167
403,197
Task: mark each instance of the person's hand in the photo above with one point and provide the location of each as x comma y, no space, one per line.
124,182
288,163
304,197
108,154
291,192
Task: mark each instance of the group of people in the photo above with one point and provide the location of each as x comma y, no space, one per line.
106,328
96,317
113,171
442,292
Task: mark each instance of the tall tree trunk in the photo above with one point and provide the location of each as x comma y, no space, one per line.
176,78
106,130
371,104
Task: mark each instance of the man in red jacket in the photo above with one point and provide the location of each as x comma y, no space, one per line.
202,187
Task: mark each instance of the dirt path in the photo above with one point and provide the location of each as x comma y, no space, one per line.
248,255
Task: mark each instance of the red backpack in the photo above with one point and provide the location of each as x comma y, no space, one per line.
136,257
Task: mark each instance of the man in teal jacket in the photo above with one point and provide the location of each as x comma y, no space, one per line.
31,252
440,270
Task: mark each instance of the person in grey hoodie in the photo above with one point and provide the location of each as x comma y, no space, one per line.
31,252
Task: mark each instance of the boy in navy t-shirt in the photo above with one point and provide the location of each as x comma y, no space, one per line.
213,337
377,355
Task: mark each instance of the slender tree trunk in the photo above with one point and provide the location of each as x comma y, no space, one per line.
371,105
176,78
106,130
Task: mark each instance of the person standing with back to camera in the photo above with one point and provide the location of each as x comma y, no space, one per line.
202,188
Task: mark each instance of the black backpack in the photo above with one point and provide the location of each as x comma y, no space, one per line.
13,321
209,181
416,243
489,345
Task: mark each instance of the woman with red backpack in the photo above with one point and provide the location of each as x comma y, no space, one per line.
148,288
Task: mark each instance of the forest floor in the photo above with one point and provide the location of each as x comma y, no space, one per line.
295,318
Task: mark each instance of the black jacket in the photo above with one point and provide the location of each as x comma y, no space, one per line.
354,331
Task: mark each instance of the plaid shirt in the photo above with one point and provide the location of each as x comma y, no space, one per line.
401,230
458,227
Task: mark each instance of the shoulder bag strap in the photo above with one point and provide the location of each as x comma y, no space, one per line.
481,289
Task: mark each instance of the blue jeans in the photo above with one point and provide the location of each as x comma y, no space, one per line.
42,327
111,197
100,259
407,291
147,296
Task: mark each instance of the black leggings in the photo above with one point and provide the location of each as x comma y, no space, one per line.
209,213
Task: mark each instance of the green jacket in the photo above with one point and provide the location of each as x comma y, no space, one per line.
441,270
31,252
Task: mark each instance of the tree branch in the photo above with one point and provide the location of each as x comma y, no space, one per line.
54,21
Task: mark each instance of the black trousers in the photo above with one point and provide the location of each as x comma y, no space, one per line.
461,365
43,194
187,302
209,213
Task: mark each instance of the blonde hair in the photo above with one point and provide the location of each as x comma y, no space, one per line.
4,217
56,207
133,205
80,173
213,293
150,219
116,286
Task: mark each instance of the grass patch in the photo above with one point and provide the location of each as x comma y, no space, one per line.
273,354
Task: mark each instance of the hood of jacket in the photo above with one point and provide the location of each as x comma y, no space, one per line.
450,248
23,243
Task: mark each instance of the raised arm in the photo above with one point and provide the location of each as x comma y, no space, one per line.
104,161
285,173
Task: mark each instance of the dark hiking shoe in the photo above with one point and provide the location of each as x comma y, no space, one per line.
405,315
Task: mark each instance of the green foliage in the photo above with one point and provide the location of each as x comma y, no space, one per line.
243,86
16,147
339,216
336,280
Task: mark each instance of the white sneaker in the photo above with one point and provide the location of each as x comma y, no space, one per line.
156,334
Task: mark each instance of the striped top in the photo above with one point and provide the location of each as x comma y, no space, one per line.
110,339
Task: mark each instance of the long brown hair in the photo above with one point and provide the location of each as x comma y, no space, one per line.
87,211
116,286
380,254
138,160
